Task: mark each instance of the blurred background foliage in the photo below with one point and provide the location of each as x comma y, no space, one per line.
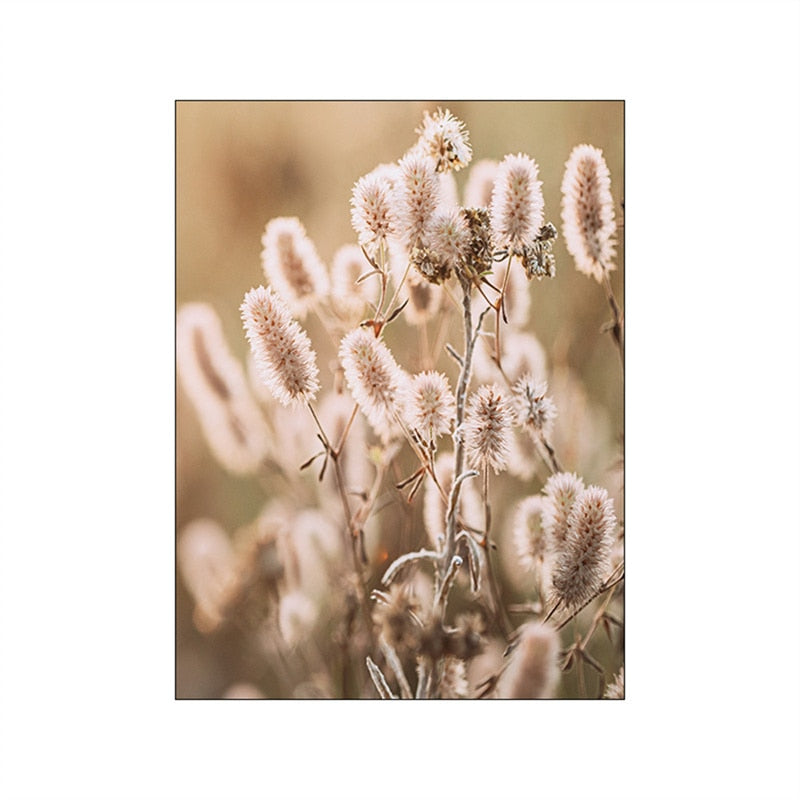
239,164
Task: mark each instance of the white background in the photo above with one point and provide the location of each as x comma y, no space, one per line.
87,379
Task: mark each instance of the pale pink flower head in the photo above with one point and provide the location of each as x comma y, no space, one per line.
216,385
208,567
560,492
373,377
281,348
529,536
373,210
418,196
291,264
430,407
532,672
517,209
587,211
445,139
535,410
449,237
585,558
480,183
487,429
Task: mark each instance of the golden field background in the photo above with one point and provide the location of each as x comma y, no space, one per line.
239,164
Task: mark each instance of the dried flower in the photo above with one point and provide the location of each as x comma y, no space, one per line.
291,264
215,383
282,350
538,260
480,183
533,669
585,558
560,492
417,196
535,410
429,405
373,210
616,690
487,428
587,211
517,209
445,139
373,377
530,538
479,261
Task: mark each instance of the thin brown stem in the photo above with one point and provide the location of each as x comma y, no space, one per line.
618,324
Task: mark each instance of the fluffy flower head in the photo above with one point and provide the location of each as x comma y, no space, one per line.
587,211
585,559
487,428
529,536
430,407
291,264
418,196
560,492
517,209
281,348
449,238
535,410
444,138
533,670
373,210
373,377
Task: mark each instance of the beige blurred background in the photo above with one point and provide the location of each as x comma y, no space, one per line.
239,164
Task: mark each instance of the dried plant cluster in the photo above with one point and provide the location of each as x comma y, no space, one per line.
379,565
